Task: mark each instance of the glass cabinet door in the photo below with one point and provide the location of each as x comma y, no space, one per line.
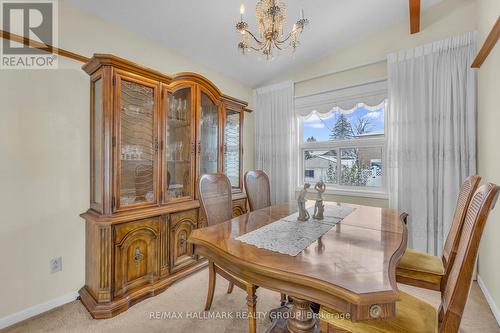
179,140
208,141
137,142
96,181
232,158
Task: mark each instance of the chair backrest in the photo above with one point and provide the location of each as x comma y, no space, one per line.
457,288
215,198
258,189
467,190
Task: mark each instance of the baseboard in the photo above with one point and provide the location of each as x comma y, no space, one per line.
36,310
489,299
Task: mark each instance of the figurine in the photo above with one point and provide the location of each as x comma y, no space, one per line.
319,208
301,200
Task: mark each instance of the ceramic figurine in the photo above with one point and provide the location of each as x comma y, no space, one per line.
319,208
303,213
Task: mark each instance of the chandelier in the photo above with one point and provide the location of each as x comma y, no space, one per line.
271,19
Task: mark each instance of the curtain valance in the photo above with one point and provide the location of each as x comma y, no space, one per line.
372,96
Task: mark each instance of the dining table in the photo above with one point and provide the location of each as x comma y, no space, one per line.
350,268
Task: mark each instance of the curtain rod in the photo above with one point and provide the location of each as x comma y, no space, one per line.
380,79
341,70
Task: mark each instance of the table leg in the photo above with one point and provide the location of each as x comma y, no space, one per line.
294,317
302,318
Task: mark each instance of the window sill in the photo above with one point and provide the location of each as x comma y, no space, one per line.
364,193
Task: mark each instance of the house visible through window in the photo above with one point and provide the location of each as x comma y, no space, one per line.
309,173
345,147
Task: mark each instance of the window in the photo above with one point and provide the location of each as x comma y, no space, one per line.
309,173
344,147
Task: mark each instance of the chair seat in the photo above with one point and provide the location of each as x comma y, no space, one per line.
416,266
412,316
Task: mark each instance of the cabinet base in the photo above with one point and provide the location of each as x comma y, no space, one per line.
120,304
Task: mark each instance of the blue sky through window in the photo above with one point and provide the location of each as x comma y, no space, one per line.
320,129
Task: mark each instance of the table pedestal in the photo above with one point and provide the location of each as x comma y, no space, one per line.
294,317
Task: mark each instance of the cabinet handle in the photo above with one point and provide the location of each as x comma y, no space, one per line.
199,147
193,146
138,257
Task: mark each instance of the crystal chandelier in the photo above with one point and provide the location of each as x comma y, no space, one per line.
271,19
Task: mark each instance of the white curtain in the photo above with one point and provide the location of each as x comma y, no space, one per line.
276,139
431,134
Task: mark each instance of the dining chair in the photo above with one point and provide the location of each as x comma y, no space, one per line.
258,189
416,316
216,201
424,270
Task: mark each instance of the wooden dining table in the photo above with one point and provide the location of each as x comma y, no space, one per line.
351,268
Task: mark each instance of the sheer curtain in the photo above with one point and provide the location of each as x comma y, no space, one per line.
276,138
431,134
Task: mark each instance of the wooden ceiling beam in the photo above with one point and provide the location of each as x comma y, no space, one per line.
414,16
488,45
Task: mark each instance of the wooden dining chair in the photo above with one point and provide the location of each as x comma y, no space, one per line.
216,201
424,270
258,189
416,316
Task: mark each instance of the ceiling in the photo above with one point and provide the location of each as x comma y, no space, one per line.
204,30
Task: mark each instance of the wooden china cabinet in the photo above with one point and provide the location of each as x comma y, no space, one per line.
152,137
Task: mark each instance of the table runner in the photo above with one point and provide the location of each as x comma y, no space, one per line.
290,236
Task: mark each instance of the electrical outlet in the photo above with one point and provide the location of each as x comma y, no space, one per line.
56,264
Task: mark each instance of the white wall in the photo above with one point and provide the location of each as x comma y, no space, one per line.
448,18
44,149
488,150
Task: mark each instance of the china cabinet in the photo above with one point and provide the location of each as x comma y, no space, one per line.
152,137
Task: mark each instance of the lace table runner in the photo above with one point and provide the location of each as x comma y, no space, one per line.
289,236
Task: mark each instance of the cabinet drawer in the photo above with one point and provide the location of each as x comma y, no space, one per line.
136,254
239,207
181,252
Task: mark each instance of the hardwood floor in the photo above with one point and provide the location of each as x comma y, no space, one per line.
189,295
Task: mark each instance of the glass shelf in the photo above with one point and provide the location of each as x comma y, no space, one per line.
232,147
179,117
209,135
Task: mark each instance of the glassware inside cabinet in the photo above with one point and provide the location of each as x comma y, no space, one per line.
137,151
209,135
178,152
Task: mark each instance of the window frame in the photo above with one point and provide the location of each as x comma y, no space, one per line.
379,141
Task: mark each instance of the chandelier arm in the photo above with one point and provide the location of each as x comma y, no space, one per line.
287,38
281,48
258,48
253,36
265,45
255,49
